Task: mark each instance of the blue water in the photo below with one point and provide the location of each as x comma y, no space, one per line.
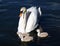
50,21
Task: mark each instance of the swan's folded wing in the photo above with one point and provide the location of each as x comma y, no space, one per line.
32,22
27,15
39,10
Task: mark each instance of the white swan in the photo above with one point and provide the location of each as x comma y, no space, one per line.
28,21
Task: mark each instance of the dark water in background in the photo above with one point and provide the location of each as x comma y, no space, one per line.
50,21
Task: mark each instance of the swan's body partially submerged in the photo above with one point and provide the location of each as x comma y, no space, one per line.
28,22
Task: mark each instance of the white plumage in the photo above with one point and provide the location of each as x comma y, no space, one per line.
31,22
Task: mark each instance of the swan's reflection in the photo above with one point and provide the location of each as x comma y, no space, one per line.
36,42
23,44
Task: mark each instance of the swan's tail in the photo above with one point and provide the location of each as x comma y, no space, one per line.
39,10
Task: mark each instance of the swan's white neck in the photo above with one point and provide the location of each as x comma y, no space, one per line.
24,21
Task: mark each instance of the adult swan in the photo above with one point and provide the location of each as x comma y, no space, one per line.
28,22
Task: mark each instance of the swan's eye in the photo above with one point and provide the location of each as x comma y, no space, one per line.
21,11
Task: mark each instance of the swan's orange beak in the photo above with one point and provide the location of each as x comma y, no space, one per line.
21,13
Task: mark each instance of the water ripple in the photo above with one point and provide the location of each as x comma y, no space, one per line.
3,10
13,2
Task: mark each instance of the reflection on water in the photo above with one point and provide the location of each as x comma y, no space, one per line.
36,42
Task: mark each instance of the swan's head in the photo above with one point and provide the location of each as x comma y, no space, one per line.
23,10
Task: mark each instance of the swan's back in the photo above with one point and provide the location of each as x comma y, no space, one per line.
32,9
